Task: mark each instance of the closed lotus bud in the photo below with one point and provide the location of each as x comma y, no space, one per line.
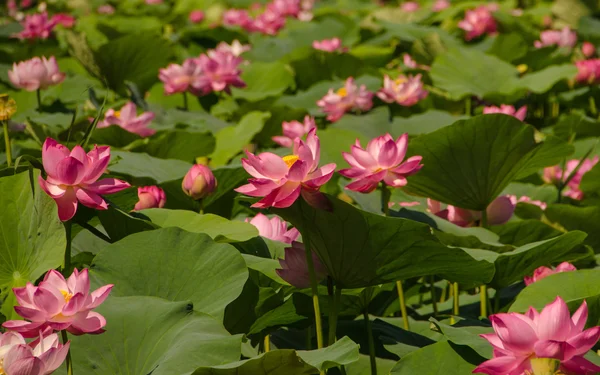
199,182
150,197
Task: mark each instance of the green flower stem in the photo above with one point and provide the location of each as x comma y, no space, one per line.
38,95
69,361
455,307
185,101
267,343
334,303
402,305
483,300
369,328
314,289
67,262
7,143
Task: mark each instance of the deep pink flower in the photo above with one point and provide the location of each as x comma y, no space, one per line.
105,9
440,5
410,6
588,49
236,17
73,176
520,339
404,90
348,98
128,119
507,110
268,23
274,229
294,269
543,272
286,8
588,71
150,197
196,16
526,199
235,48
178,78
555,175
329,45
199,182
280,181
498,212
294,129
59,304
36,74
561,38
477,22
40,357
220,71
63,19
382,160
36,26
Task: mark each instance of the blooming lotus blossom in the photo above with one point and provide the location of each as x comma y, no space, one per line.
543,272
59,304
268,22
286,8
73,176
520,340
440,5
477,22
36,74
236,17
280,181
382,160
36,26
404,90
41,357
178,78
556,175
526,199
235,48
410,6
294,129
294,269
220,70
588,71
561,38
63,19
199,182
498,212
329,45
588,49
196,16
348,98
274,229
105,9
150,197
128,119
507,110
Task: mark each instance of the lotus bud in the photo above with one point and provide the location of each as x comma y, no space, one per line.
199,182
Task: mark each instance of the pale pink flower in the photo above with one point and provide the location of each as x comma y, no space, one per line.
404,90
199,182
588,71
220,70
40,357
286,8
196,16
36,74
294,129
36,26
280,181
128,119
410,63
382,160
542,272
588,49
268,23
498,212
477,22
73,176
561,38
236,17
440,5
410,6
556,175
105,9
507,110
59,304
294,268
329,45
150,197
274,229
152,2
348,98
63,19
526,199
178,78
235,48
520,339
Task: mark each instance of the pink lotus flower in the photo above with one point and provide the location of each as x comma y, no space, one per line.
59,304
40,357
555,174
440,5
152,2
588,71
235,48
63,19
410,63
294,129
543,272
526,199
196,16
286,8
281,180
274,229
105,9
507,110
178,78
410,6
150,197
382,160
36,26
294,269
36,74
477,22
329,45
404,90
268,23
236,17
128,119
199,182
588,49
73,176
561,38
522,339
348,98
498,212
220,71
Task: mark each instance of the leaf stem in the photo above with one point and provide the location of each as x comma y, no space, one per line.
468,106
69,363
334,302
38,95
95,232
67,262
314,289
267,343
369,328
455,304
483,300
402,305
7,143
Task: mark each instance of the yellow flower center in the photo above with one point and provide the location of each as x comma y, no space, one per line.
2,372
8,107
399,80
67,297
342,92
289,160
522,68
118,114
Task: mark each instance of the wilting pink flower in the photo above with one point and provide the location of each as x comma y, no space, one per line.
329,45
280,181
220,71
150,197
59,304
404,90
40,357
268,23
199,182
294,129
440,5
410,6
274,229
543,272
105,9
196,16
382,160
178,78
294,269
588,71
507,110
498,212
36,26
236,17
520,339
477,22
348,98
73,176
36,74
526,199
562,38
556,175
235,48
128,119
588,49
63,19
